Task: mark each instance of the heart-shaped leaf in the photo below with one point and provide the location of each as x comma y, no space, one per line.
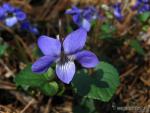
27,78
101,85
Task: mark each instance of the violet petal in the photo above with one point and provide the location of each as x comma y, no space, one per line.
11,21
75,41
49,46
42,64
65,72
87,59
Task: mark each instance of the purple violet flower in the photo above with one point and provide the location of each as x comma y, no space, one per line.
63,54
11,15
118,11
26,25
83,17
141,6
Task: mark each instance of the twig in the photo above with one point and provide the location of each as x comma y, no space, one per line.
48,106
21,97
122,26
6,109
146,82
122,76
27,106
6,67
128,71
7,85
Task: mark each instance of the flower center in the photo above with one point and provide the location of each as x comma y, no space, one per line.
66,58
63,58
8,14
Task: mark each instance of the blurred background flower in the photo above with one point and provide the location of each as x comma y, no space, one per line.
118,11
11,15
83,17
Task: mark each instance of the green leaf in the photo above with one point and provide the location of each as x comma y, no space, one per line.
144,16
136,45
69,29
93,23
109,15
100,86
105,36
49,75
61,89
106,31
3,49
36,52
85,106
50,89
80,109
145,28
89,104
107,28
27,78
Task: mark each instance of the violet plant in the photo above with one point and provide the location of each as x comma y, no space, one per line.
11,15
64,53
26,25
118,11
141,6
60,64
83,17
